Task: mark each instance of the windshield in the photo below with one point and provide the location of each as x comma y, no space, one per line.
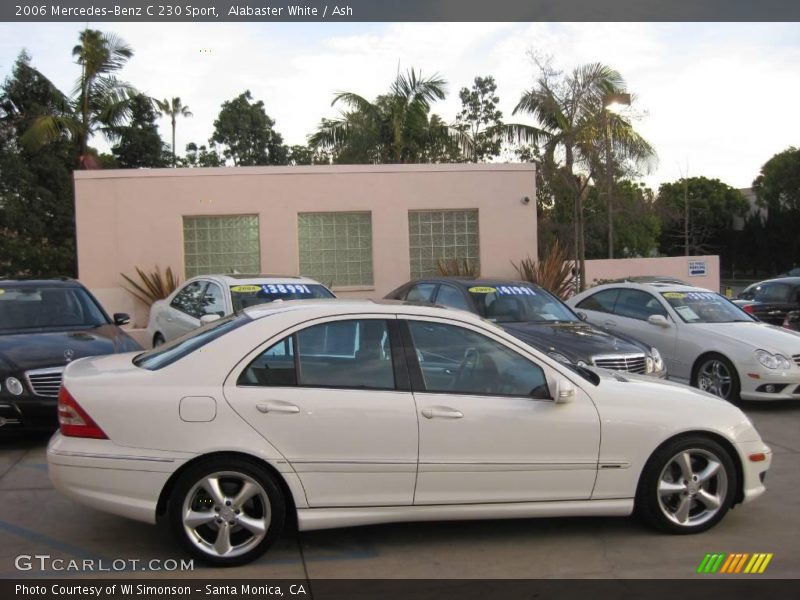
243,296
517,303
48,307
705,307
168,353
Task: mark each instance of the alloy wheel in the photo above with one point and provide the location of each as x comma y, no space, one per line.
715,378
692,487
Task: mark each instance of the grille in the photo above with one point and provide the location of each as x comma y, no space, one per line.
632,363
45,382
796,358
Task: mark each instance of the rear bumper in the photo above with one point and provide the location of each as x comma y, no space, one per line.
98,473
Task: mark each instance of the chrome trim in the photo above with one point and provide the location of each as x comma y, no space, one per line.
112,456
45,387
796,358
630,363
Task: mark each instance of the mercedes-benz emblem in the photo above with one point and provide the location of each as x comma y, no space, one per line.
68,354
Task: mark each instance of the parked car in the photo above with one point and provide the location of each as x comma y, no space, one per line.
771,300
359,412
705,339
792,320
537,317
44,325
206,298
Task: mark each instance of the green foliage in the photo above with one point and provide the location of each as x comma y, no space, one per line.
306,155
555,272
247,135
139,143
396,128
481,118
201,157
37,230
712,208
173,109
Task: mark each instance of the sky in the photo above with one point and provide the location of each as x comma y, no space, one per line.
715,99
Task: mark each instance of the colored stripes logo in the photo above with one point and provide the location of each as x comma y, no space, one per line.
741,562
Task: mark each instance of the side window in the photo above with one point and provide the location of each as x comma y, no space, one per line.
601,301
341,354
190,299
636,304
213,301
421,292
451,296
274,367
461,361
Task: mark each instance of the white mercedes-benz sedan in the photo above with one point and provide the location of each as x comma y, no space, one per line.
705,339
206,298
343,413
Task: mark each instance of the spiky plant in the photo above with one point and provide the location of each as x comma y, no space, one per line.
452,267
555,272
152,286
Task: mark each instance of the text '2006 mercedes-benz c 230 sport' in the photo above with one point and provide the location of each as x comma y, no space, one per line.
356,412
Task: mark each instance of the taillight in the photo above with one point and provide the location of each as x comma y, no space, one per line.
73,420
748,308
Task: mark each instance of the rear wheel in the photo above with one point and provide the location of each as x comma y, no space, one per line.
687,486
226,512
716,375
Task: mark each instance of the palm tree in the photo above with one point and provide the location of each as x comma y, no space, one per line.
395,128
571,130
173,108
100,101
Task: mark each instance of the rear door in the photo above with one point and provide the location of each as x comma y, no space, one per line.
333,397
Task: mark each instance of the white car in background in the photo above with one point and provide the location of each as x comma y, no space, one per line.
343,413
705,339
204,299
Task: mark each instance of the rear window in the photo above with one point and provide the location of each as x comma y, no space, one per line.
175,350
246,295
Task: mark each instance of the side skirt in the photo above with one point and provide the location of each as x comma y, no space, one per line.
309,519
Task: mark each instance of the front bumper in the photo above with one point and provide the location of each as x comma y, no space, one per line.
754,472
27,412
755,384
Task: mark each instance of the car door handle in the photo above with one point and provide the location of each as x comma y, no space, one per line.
276,406
441,412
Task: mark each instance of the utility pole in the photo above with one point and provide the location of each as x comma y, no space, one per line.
686,213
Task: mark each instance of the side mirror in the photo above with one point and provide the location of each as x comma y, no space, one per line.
206,319
121,318
565,391
659,320
582,316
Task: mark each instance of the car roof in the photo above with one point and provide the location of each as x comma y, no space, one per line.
790,280
472,282
343,306
55,282
650,287
243,279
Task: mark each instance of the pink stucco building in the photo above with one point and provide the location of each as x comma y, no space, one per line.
365,229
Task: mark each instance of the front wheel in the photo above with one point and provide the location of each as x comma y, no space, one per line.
687,486
226,512
716,375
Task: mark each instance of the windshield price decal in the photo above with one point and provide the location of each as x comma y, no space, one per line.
482,290
273,288
701,296
678,295
508,290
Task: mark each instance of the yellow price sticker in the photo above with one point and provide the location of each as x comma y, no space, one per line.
244,289
674,295
481,290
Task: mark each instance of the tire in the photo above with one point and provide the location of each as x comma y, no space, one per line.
716,375
158,339
682,497
209,521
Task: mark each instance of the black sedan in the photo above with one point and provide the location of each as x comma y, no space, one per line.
532,314
45,324
772,300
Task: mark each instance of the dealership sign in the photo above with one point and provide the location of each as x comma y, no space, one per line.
697,268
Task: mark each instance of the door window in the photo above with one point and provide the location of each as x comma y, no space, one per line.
421,292
451,296
461,361
636,304
191,299
213,301
600,302
340,354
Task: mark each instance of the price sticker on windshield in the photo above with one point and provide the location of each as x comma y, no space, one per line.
246,289
482,290
514,290
286,288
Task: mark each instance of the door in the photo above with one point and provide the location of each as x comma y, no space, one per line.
632,310
334,399
488,428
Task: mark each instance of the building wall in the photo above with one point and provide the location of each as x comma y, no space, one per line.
129,218
669,266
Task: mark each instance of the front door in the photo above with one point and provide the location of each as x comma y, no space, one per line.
489,430
331,398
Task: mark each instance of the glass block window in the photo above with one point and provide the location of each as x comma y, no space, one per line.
336,248
442,234
221,244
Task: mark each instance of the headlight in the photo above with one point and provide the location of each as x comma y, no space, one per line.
772,361
649,365
658,362
581,363
14,386
559,357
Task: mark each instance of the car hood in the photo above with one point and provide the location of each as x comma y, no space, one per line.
23,351
576,341
755,335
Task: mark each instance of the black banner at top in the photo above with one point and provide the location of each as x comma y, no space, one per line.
398,10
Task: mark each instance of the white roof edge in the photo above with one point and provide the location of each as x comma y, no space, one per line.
301,170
